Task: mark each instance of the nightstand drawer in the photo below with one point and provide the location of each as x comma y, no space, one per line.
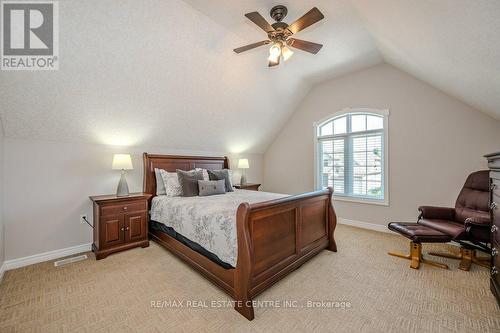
123,208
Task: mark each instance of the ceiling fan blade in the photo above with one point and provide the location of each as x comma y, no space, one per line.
304,45
309,18
272,63
256,18
251,46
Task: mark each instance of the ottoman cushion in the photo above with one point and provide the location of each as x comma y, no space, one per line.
456,230
419,233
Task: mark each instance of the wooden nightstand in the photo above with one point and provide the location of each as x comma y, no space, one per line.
120,223
248,186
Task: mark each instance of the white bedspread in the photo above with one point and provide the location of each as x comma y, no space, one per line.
209,221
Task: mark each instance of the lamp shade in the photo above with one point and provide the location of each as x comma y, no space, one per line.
243,163
122,162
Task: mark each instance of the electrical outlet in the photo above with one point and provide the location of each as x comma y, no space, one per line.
83,218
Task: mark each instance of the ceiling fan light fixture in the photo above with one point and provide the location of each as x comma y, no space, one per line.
286,52
274,52
274,62
280,34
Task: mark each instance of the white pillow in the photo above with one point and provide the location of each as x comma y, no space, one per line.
172,186
160,185
205,173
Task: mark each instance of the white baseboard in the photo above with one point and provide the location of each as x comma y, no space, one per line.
46,256
363,225
2,270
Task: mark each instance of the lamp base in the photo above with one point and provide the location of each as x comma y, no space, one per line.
122,190
243,180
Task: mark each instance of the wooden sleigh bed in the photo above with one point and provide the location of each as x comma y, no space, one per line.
274,237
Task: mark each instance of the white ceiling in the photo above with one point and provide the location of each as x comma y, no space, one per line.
452,44
163,73
347,45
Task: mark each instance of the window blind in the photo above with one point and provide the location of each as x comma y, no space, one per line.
351,159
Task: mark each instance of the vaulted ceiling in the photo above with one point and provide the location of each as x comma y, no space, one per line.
452,44
163,73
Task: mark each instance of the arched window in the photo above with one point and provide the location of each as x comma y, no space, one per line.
351,155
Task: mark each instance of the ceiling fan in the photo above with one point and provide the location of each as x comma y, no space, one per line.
279,34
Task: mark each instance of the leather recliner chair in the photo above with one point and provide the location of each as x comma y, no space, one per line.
468,224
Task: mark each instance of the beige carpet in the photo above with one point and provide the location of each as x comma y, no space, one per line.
385,295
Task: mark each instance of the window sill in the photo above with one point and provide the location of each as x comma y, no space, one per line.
361,201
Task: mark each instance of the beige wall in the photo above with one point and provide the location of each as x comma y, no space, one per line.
48,184
434,142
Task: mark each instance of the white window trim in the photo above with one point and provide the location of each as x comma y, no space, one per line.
317,182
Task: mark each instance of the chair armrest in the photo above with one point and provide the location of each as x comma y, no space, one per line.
478,222
439,213
478,229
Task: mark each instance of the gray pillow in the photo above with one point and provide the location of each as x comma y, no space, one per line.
211,187
221,175
189,182
160,185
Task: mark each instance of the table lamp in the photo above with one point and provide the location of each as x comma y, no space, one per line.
243,164
122,162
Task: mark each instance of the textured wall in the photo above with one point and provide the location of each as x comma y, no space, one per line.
434,142
49,183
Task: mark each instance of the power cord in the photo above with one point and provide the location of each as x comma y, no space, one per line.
85,219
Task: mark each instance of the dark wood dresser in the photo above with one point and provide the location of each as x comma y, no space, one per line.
120,223
494,165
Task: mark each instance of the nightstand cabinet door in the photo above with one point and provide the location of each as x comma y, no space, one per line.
111,232
135,226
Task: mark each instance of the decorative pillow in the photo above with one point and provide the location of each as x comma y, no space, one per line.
160,185
205,173
189,182
222,174
171,182
211,187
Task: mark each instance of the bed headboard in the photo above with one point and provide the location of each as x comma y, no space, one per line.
172,162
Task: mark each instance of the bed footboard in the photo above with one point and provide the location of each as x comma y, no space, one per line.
277,237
